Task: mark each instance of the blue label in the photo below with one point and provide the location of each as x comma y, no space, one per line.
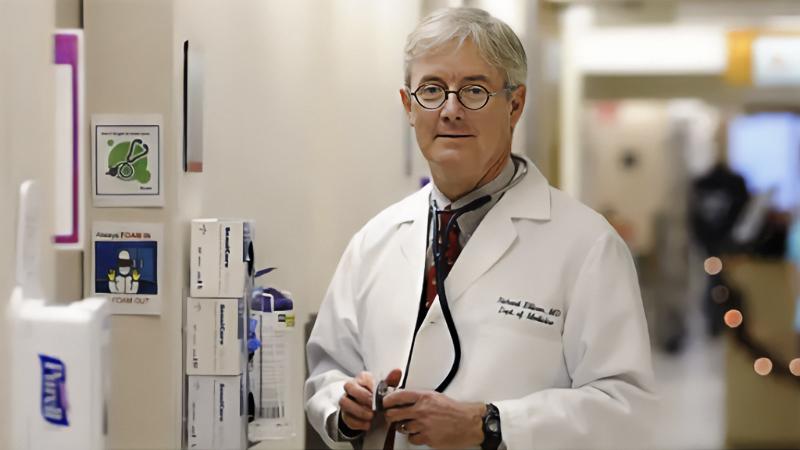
54,385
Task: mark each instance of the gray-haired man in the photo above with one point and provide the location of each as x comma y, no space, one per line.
507,313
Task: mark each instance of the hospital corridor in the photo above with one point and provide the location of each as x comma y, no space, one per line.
312,224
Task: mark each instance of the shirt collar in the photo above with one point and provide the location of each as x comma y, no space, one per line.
469,221
499,182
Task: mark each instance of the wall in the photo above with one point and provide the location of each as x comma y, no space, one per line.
131,67
26,136
614,132
304,132
69,13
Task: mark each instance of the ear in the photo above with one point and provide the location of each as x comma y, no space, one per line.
517,104
406,99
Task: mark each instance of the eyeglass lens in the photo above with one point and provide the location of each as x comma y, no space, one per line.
432,96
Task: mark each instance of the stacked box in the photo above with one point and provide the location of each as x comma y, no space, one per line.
215,413
221,271
221,258
215,335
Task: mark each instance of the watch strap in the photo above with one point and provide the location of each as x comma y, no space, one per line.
492,433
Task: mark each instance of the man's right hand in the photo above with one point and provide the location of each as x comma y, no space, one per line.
355,406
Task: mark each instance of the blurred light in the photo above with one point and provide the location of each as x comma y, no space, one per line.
720,294
794,367
713,265
763,366
512,12
733,318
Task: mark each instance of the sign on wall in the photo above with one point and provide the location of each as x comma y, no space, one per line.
127,266
127,161
69,143
776,61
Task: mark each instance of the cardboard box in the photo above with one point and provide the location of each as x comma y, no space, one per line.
215,337
221,259
215,414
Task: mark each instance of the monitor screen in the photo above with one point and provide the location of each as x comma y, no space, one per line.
764,148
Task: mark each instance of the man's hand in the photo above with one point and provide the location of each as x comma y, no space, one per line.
355,406
434,419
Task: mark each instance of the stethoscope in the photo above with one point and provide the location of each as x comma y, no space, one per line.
439,250
124,169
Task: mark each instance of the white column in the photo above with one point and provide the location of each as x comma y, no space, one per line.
576,19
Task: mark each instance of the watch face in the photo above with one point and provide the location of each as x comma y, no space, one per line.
492,425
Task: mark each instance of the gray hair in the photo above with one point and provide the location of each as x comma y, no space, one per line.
496,41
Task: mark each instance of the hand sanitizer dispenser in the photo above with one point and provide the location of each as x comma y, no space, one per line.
60,374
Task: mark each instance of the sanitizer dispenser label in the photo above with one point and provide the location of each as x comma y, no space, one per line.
54,390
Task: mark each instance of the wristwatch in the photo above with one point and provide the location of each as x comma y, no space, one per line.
492,436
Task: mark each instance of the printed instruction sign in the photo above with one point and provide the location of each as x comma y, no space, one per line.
127,160
127,266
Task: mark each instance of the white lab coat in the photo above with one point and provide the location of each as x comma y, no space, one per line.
578,377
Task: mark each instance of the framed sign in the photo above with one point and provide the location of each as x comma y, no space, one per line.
69,142
127,161
127,266
776,61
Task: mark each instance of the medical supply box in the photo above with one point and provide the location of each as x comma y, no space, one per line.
221,257
216,413
215,338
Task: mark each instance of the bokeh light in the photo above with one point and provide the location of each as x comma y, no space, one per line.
733,318
720,294
763,366
712,265
794,367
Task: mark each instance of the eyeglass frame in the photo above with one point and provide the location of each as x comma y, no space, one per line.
507,88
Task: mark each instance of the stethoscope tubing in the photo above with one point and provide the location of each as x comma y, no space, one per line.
439,251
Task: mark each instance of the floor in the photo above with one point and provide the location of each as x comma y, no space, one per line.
692,387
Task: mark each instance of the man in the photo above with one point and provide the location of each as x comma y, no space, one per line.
716,202
520,325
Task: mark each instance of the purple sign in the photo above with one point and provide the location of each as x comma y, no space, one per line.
66,53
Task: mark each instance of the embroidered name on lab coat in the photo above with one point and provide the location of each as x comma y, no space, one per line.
522,309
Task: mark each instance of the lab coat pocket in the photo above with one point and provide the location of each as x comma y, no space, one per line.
532,347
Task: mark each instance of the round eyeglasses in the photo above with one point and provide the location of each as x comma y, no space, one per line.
472,96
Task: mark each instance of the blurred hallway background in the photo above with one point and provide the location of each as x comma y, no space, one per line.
679,120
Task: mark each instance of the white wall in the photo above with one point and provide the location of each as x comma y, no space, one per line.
304,132
132,68
636,194
27,92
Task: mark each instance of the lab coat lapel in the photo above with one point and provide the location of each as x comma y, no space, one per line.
496,232
433,354
491,239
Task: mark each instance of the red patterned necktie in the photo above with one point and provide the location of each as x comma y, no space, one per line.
450,256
